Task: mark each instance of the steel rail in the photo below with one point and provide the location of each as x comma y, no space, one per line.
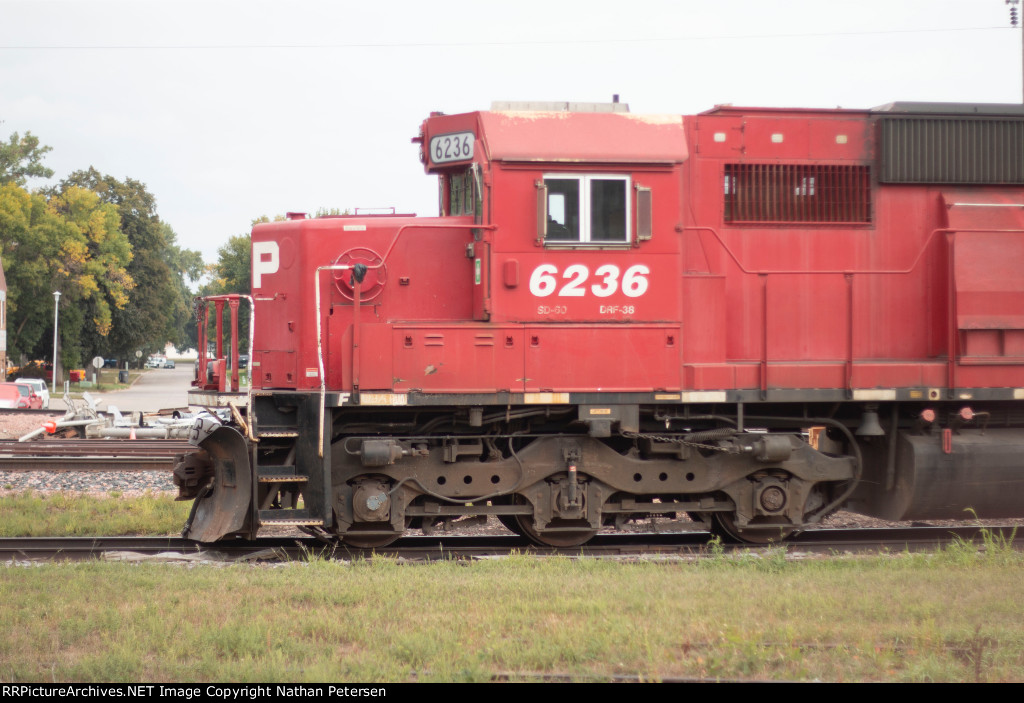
427,548
96,447
88,464
31,411
92,455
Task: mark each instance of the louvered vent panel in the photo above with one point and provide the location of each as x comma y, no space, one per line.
952,150
810,193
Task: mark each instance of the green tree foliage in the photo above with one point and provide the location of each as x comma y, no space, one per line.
94,254
68,243
95,257
186,265
21,158
331,212
29,243
233,272
158,307
98,240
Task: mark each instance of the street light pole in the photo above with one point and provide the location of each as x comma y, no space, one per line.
56,309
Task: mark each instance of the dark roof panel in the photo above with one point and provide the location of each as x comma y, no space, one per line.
915,108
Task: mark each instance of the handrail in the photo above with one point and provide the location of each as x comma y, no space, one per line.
913,264
404,227
200,305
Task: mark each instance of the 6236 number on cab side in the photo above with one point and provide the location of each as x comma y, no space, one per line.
451,147
577,282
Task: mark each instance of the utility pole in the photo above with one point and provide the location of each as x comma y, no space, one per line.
1014,21
56,313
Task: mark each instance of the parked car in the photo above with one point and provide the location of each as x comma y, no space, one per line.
39,386
110,363
169,364
35,369
10,396
156,362
27,396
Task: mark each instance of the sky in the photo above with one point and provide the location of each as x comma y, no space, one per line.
232,109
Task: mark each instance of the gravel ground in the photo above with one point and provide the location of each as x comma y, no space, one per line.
128,483
13,426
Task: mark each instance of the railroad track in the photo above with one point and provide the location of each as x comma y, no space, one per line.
636,545
92,454
158,455
41,412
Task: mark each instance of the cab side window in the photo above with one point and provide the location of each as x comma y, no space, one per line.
458,193
563,209
591,209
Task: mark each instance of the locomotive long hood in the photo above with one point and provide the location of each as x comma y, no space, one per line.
987,252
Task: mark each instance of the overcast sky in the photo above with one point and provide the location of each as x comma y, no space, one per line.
230,109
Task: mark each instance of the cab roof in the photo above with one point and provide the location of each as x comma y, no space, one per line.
570,137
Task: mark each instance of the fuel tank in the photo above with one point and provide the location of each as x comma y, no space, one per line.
937,478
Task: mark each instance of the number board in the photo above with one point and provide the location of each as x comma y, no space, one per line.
447,148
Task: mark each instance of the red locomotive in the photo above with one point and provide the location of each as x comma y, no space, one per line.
751,316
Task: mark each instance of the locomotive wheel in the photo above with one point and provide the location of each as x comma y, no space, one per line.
368,541
375,540
573,538
510,523
723,525
523,526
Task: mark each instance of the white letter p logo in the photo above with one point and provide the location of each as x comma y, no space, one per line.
265,259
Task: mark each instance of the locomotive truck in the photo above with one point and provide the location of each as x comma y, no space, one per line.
750,316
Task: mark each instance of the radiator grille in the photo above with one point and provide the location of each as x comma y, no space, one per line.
952,150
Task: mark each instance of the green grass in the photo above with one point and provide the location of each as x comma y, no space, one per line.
33,514
945,616
955,614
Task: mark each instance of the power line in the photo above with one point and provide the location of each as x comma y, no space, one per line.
471,44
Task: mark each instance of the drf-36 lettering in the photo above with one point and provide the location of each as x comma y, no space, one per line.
633,284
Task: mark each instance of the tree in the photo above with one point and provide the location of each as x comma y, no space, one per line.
186,266
157,308
124,280
68,243
21,158
28,242
95,256
234,265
